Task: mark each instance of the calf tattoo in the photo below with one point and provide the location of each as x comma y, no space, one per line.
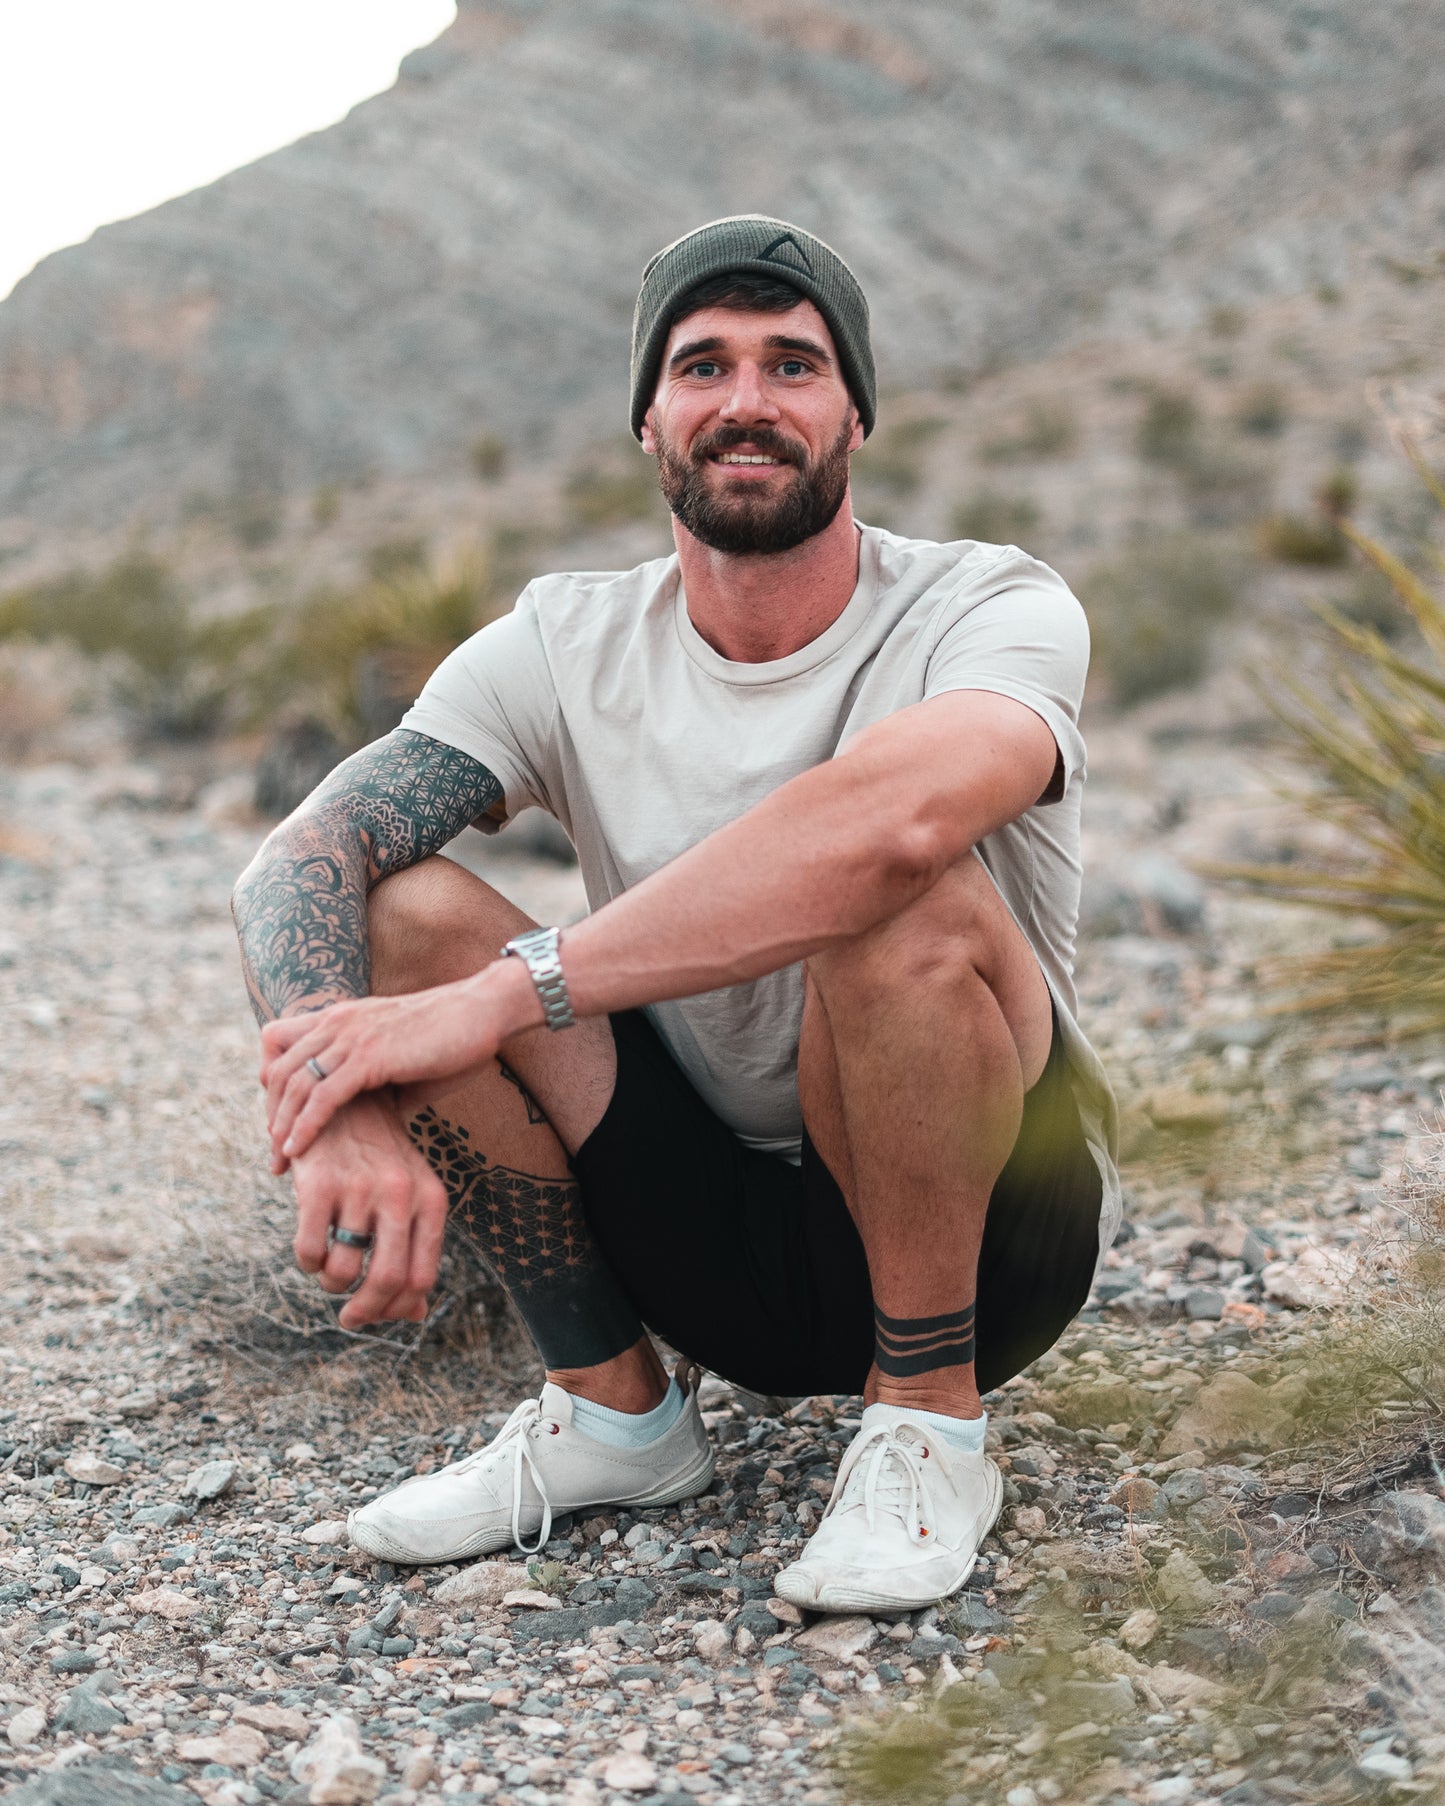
907,1346
531,1232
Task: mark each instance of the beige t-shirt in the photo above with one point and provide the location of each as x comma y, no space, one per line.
597,699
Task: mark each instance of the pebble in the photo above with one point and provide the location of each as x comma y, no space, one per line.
90,1470
211,1480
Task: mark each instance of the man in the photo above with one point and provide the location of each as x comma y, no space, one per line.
804,1093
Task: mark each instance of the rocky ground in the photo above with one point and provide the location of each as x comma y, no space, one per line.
180,1615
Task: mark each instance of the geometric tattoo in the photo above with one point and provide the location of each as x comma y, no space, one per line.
912,1345
535,1113
529,1230
532,1233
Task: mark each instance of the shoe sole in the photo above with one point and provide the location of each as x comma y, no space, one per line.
376,1543
866,1599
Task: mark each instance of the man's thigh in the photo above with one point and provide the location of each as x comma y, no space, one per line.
722,1250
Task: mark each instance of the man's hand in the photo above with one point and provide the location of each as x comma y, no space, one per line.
363,1173
419,1038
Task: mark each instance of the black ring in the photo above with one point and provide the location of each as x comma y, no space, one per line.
314,1065
352,1238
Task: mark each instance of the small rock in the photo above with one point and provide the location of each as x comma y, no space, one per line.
1189,1112
484,1583
1384,1765
90,1470
1413,1522
1317,1276
339,1772
1170,888
1140,1628
532,1599
784,1612
86,1711
276,1721
166,1603
1030,1521
138,1404
1184,1586
1204,1304
712,1641
299,1452
1173,1790
419,1770
839,1638
1094,1699
211,1480
1134,1494
161,1517
629,1772
26,1727
238,1746
1231,1411
330,1530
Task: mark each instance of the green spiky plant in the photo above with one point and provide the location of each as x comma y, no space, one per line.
1371,737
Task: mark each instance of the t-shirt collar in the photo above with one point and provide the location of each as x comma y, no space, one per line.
806,658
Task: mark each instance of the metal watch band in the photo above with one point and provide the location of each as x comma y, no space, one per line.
537,950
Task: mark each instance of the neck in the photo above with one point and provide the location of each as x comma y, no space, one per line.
752,609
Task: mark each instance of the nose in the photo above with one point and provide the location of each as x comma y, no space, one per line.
748,399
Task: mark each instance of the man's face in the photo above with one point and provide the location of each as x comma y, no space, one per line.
752,426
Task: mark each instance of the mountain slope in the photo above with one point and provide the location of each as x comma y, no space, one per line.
460,255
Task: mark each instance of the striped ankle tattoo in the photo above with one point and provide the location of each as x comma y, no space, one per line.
913,1345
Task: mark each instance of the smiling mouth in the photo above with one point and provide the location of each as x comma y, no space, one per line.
745,458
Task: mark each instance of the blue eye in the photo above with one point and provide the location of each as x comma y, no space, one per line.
793,366
705,369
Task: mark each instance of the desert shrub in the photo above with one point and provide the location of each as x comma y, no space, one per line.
1302,539
613,487
890,460
358,657
1369,733
994,518
1168,430
1153,611
1050,429
489,458
1264,410
395,558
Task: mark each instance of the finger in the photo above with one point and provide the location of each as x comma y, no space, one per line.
386,1274
343,1264
284,1070
316,1205
427,1232
278,1036
292,1136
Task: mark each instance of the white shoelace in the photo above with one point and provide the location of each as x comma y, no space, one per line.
883,1473
514,1439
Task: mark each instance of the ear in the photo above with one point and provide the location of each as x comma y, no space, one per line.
649,437
855,438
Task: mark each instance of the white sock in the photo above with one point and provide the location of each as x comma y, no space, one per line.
627,1429
965,1433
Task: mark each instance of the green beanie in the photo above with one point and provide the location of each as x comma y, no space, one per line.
764,247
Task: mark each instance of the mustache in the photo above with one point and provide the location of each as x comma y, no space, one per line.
761,438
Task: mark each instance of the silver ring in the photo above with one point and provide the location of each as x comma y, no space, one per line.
314,1065
352,1238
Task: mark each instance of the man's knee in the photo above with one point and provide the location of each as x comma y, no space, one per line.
943,941
433,923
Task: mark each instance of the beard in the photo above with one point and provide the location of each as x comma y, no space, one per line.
743,520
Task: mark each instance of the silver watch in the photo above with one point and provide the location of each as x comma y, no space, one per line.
537,950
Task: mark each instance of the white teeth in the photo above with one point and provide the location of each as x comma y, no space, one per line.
744,458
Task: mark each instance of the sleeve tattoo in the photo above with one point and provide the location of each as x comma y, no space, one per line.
300,905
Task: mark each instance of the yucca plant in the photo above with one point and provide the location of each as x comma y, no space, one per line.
1371,736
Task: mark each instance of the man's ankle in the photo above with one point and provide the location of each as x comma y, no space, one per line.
941,1394
634,1381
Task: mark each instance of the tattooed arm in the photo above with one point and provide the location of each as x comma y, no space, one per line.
300,909
300,906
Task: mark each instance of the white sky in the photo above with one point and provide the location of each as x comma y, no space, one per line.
108,107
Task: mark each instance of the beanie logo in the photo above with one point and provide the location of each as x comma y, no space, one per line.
786,250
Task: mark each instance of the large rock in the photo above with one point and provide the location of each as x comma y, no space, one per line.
484,1583
336,1769
98,1784
1232,1412
238,1746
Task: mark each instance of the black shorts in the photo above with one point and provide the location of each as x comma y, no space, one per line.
753,1267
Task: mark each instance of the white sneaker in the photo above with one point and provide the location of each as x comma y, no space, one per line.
537,1466
903,1526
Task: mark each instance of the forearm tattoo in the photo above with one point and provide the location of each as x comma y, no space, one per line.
908,1346
533,1235
300,906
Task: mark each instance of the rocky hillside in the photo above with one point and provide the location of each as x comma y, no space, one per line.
457,259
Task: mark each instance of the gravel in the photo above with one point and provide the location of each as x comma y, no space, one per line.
180,1617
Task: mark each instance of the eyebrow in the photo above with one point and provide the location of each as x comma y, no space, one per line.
774,342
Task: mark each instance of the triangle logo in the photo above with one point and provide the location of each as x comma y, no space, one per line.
786,250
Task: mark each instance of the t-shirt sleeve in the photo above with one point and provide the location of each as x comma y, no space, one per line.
494,699
1018,630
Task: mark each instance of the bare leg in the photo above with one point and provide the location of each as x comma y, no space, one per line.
500,1142
919,1041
